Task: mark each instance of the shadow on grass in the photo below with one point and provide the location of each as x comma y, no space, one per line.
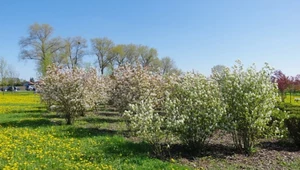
108,113
127,149
30,123
51,116
101,120
280,145
36,109
118,149
80,132
24,115
27,111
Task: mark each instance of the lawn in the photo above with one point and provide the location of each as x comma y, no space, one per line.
31,138
291,99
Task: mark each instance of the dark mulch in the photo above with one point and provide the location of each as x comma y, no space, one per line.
221,154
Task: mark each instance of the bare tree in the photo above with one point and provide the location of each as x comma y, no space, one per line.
39,45
168,66
73,51
3,72
101,48
12,77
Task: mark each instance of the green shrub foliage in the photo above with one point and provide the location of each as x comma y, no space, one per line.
194,109
249,97
293,125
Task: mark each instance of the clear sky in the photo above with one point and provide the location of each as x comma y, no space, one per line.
197,34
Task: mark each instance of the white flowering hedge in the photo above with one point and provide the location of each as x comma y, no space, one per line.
72,91
249,97
190,111
162,109
194,109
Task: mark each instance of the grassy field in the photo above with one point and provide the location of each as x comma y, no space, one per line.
31,138
291,99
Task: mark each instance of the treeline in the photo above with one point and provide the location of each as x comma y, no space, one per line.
40,45
8,75
286,84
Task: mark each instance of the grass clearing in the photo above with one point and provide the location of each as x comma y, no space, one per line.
30,138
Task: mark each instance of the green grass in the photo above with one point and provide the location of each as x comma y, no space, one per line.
31,138
291,99
40,140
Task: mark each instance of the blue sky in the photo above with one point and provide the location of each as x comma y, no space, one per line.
197,34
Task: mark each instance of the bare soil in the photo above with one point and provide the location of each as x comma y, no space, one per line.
220,153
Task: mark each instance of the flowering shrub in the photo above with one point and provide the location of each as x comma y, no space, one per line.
72,91
249,97
149,125
190,110
102,89
194,109
147,118
132,85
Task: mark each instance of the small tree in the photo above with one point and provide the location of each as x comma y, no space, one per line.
69,91
12,77
249,97
282,81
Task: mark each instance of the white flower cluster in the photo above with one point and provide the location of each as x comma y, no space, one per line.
167,108
72,91
194,109
190,110
249,97
132,85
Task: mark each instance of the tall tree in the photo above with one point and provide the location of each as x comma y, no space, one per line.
147,55
131,54
3,72
12,76
168,66
101,48
117,55
218,73
39,45
282,81
218,69
291,86
73,51
297,83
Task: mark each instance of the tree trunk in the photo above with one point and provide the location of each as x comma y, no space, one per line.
69,119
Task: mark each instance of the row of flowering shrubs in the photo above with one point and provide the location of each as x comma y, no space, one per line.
240,101
163,109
